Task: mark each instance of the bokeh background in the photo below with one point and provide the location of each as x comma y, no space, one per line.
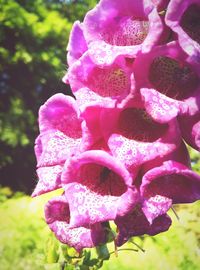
33,40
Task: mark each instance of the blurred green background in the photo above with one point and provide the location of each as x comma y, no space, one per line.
33,39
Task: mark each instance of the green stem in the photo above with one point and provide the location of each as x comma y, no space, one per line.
138,246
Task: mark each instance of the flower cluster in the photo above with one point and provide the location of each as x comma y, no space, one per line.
117,148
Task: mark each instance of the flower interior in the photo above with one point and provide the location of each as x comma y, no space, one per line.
173,186
126,31
58,211
101,180
109,82
190,22
172,78
137,125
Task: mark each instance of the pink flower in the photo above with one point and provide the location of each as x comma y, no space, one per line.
131,133
98,188
115,28
166,69
168,181
60,137
107,85
57,214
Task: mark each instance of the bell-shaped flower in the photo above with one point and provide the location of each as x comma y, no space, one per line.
166,70
115,28
134,137
98,188
168,181
183,17
57,215
136,224
60,137
106,85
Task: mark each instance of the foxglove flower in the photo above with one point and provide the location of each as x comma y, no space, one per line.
98,188
166,69
131,133
170,182
108,85
115,28
57,214
183,17
136,224
60,137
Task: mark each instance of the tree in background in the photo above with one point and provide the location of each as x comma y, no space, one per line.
33,39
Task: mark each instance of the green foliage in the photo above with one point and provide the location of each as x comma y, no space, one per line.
33,39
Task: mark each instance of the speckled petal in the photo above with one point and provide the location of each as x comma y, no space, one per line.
136,224
60,137
156,206
112,83
98,188
57,216
60,130
49,179
131,133
161,108
167,70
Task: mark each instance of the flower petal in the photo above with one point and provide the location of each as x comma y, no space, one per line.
77,45
57,216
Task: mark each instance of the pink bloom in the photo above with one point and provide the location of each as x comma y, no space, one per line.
98,188
136,224
183,17
115,28
57,214
169,180
107,85
166,69
60,137
131,133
